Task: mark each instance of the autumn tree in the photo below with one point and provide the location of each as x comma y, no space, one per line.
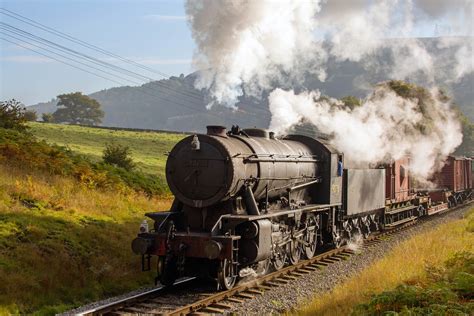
76,108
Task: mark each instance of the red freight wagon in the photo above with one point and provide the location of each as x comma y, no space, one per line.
456,176
397,181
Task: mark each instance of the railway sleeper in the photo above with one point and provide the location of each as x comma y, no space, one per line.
254,291
235,300
212,310
221,305
244,295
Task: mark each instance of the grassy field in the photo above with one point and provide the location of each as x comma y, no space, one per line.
63,244
407,264
148,148
66,224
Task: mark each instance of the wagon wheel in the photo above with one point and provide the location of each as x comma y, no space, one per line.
295,251
311,237
168,270
279,258
225,276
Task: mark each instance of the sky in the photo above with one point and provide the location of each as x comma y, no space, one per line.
153,33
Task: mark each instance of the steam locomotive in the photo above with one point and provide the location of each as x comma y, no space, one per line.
246,200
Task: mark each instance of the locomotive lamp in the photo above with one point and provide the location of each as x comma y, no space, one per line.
195,144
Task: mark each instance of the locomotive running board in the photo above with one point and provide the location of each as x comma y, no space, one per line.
399,210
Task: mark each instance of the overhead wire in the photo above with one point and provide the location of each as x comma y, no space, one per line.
43,27
95,73
102,63
68,37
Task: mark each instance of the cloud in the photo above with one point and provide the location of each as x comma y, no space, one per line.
160,17
26,59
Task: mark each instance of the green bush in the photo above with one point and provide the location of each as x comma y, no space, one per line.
47,117
118,155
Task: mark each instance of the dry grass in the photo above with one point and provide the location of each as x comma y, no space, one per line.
63,244
406,263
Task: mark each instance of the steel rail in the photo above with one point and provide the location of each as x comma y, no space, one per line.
103,309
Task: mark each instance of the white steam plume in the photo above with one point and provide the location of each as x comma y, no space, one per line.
252,46
249,44
386,126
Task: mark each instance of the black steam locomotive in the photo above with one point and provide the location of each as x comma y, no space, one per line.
246,200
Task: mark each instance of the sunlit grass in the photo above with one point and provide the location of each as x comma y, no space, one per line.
406,263
63,244
148,149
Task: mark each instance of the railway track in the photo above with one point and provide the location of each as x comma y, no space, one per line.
154,302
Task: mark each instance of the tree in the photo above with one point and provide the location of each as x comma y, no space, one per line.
76,108
467,146
118,155
351,101
12,115
30,115
47,117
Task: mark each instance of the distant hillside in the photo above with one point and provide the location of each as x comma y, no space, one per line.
174,104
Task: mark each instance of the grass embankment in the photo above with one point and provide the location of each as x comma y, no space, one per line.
65,227
148,148
427,269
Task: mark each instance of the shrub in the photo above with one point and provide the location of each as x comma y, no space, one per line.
118,155
12,115
47,117
31,116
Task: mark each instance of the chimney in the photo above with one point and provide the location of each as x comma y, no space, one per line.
216,130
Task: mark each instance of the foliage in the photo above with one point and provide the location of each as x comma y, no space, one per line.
12,115
47,117
467,146
449,291
404,265
118,155
30,115
351,101
76,108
